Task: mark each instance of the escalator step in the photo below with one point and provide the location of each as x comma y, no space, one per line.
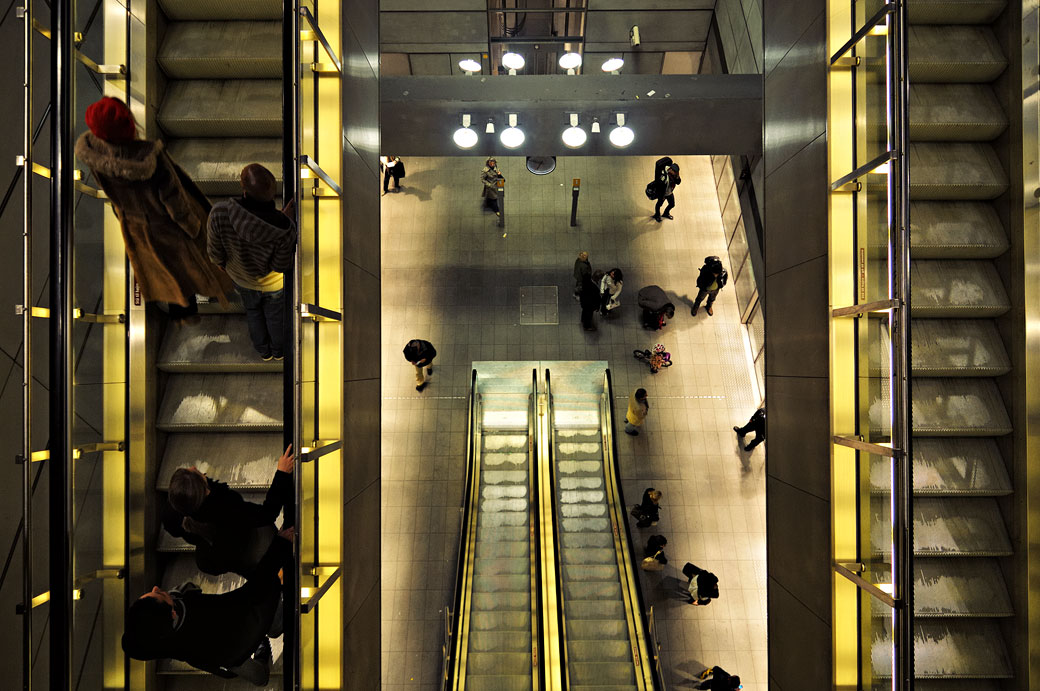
573,540
501,459
596,630
501,565
499,663
493,533
499,641
956,230
199,108
956,288
518,602
602,687
956,171
576,418
500,620
498,682
574,496
222,50
594,609
949,466
592,590
957,347
504,493
215,164
967,648
954,11
504,442
507,419
182,569
505,477
605,650
585,525
508,583
185,10
954,54
955,112
948,527
503,550
582,510
589,555
512,509
602,673
947,407
580,467
594,482
218,343
221,402
956,588
579,436
170,544
577,573
244,460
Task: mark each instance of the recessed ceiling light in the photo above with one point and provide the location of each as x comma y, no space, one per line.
570,61
613,65
574,137
469,65
512,137
622,136
513,61
465,138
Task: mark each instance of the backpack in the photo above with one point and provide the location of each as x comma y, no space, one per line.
708,584
653,189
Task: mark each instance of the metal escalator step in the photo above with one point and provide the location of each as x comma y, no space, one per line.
505,442
955,112
589,555
580,467
603,650
244,460
498,663
505,419
222,50
511,507
602,687
200,108
578,609
518,601
501,565
498,459
949,466
576,418
950,526
216,164
505,492
602,673
503,550
498,682
959,588
954,11
169,544
218,343
185,10
582,496
948,407
956,230
957,347
956,171
954,649
593,590
577,573
585,525
499,641
578,540
504,477
596,630
568,483
182,569
579,435
503,519
579,451
509,583
582,510
954,54
956,288
492,533
221,402
500,620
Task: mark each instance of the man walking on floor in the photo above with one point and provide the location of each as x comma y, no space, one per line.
667,177
756,424
710,281
420,353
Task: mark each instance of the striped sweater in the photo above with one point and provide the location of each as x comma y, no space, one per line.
246,246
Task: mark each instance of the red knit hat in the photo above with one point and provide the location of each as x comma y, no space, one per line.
111,120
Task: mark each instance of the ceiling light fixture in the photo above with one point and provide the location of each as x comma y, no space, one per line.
512,136
570,62
469,66
612,65
464,137
595,126
513,62
622,135
489,128
574,136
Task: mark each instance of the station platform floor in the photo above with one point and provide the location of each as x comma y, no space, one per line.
451,276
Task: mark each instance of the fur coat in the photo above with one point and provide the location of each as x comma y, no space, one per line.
163,217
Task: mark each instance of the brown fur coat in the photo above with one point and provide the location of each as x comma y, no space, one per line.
163,217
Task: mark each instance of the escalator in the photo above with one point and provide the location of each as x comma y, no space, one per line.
959,416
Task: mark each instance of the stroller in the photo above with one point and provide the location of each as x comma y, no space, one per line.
656,307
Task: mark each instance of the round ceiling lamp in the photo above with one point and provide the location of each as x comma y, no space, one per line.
465,138
622,136
570,61
512,137
574,137
613,64
469,65
513,61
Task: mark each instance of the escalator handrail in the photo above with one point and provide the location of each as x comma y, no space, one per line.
561,617
466,537
537,661
633,577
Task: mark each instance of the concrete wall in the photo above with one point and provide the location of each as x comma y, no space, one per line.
798,487
361,529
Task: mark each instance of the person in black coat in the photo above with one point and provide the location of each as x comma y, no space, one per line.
420,353
756,424
229,533
702,586
655,548
718,679
711,279
392,167
649,510
666,174
225,634
589,300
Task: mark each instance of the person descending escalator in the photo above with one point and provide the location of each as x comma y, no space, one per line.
229,533
161,211
226,634
254,242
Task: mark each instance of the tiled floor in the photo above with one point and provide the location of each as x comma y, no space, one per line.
451,277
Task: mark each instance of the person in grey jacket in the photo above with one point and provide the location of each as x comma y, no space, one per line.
254,242
489,177
582,269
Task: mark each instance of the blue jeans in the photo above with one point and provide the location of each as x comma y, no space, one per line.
265,316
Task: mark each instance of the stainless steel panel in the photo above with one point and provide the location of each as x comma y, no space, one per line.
805,538
800,460
797,301
796,201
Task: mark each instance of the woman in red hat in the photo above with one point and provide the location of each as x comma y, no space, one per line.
161,211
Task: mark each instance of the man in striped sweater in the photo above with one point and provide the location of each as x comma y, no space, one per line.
254,242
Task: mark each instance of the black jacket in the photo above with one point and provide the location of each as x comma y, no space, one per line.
233,543
589,296
720,680
218,632
758,422
706,278
648,508
420,352
665,184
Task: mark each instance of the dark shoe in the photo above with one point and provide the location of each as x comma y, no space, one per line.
632,434
263,652
267,357
657,218
422,386
693,312
708,310
429,370
739,433
669,217
749,448
279,358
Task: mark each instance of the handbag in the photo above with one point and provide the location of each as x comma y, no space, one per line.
652,189
651,563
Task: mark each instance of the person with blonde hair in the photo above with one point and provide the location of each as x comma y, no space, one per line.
648,512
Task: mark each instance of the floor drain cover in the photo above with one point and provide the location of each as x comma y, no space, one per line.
539,305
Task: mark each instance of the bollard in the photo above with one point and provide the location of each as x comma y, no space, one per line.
575,188
501,203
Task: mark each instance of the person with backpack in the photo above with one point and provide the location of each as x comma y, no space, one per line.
420,354
666,177
710,281
656,307
702,586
